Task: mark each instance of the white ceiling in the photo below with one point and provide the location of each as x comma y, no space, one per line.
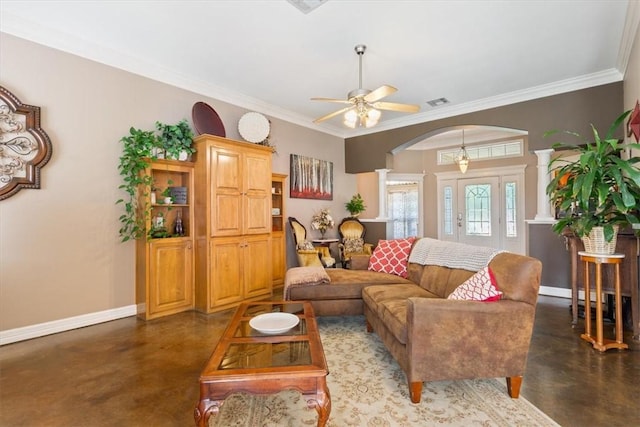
268,56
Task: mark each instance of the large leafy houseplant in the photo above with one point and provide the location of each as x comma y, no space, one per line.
599,188
137,149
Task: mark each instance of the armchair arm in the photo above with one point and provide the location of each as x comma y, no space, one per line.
308,258
449,339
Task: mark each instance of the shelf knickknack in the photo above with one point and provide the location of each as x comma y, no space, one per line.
24,146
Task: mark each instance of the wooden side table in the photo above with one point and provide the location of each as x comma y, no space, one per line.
600,343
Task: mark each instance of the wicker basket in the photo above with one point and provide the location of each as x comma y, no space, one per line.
595,242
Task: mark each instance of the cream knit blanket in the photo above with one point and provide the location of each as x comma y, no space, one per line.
304,276
427,251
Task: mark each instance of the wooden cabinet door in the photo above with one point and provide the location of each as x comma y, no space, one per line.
278,258
170,277
257,265
257,192
227,188
226,271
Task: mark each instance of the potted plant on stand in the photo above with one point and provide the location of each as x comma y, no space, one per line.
599,191
356,205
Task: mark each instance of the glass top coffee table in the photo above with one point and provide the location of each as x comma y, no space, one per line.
284,357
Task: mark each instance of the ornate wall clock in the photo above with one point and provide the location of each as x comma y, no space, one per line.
24,146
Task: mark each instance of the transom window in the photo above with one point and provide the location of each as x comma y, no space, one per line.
496,150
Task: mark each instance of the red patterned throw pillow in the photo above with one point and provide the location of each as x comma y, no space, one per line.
481,286
391,256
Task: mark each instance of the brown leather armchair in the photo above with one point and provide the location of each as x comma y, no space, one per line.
352,233
309,255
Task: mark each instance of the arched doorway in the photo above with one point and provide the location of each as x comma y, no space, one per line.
486,205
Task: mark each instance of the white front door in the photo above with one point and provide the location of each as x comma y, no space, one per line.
483,208
478,216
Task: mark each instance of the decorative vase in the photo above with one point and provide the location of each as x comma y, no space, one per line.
322,231
595,242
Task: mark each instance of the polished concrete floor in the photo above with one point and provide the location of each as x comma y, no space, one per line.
134,373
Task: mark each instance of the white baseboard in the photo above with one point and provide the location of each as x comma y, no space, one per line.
34,331
564,292
555,292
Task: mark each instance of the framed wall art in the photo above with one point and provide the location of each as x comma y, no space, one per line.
310,178
24,146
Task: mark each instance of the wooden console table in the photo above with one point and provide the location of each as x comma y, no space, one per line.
600,343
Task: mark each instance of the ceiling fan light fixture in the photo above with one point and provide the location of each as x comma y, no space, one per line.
351,119
373,114
365,106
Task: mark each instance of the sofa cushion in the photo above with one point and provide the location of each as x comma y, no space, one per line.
390,304
344,284
390,256
479,287
441,280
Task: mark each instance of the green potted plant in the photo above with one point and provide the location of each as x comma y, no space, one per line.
136,156
176,140
599,191
356,205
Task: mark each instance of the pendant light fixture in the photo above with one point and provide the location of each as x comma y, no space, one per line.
463,157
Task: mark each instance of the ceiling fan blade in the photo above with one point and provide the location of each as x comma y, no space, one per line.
330,115
405,108
340,101
379,93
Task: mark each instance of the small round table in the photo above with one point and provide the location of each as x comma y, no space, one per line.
600,343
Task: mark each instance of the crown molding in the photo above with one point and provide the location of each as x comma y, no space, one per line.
631,24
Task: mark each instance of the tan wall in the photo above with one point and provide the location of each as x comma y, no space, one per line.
60,255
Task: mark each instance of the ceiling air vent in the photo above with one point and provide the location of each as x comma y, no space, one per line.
306,6
438,102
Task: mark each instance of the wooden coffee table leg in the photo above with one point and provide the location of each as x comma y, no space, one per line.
204,410
322,402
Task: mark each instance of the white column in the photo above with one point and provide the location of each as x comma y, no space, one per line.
382,193
544,178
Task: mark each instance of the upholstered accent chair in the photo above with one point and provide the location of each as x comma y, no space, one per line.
352,233
309,255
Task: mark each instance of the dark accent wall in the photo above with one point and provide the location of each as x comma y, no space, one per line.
550,248
573,111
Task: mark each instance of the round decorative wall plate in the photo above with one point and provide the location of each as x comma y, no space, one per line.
206,120
254,127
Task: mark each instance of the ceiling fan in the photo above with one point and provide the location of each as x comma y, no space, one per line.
364,104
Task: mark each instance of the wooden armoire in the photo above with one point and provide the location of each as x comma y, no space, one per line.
232,222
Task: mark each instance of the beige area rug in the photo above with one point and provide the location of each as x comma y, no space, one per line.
369,389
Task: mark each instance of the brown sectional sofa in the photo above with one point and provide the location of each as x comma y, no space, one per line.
433,338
